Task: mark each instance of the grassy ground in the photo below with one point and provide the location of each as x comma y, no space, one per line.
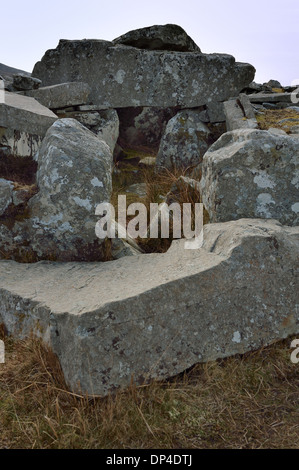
249,401
283,119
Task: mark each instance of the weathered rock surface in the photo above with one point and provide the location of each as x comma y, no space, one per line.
252,173
215,112
23,124
107,127
184,142
161,313
22,81
144,126
25,114
62,95
239,114
74,176
271,98
169,37
6,192
121,76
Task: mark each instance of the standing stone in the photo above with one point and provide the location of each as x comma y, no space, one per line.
74,176
169,37
184,142
121,76
239,113
252,173
107,128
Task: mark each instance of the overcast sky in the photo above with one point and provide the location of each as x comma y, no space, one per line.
261,32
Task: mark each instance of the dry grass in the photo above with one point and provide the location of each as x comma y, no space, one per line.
248,401
158,186
272,118
21,170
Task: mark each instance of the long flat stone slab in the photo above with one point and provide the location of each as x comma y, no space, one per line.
270,98
62,95
122,76
153,316
25,114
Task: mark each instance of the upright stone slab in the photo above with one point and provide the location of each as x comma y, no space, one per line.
73,177
153,316
185,141
239,113
121,76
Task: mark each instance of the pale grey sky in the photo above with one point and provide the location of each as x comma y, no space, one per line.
262,32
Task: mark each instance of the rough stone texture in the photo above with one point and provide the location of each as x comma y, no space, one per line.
184,142
62,95
143,126
74,176
22,81
104,123
6,193
235,294
121,76
215,112
7,73
252,173
169,37
273,84
239,114
107,128
6,239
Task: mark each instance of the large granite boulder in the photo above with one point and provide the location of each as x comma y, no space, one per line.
73,177
153,316
252,173
185,141
169,37
120,76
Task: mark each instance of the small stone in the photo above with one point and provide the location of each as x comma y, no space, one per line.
23,82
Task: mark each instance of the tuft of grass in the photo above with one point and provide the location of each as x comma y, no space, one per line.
158,186
243,402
